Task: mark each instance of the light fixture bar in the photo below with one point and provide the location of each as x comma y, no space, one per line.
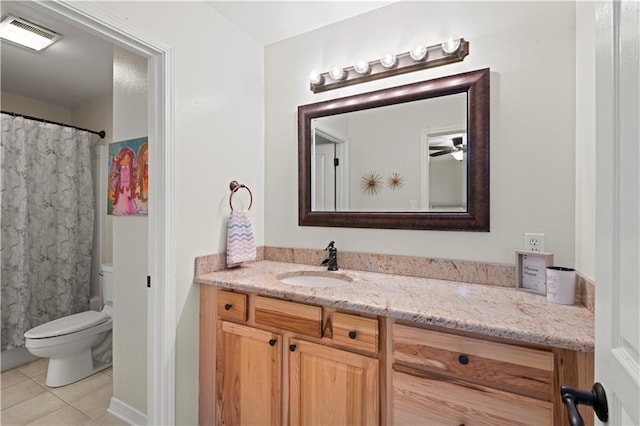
435,57
27,34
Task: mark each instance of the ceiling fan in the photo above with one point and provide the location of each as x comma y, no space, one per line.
456,147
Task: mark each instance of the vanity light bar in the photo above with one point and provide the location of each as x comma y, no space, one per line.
444,53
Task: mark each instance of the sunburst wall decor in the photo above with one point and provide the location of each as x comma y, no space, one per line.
370,183
395,181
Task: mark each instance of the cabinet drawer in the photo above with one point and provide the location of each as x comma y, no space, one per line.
429,400
232,305
495,364
292,316
355,332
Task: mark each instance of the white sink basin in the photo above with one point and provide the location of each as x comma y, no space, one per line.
314,279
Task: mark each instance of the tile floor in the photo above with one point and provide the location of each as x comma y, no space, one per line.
26,400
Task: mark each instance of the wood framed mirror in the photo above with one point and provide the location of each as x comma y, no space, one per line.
377,159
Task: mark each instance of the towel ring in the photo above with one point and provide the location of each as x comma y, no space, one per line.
234,186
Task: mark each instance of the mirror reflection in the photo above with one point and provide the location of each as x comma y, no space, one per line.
407,157
446,173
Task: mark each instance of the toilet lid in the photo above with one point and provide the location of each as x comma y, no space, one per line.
66,325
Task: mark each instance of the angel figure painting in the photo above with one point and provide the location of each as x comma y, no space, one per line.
127,193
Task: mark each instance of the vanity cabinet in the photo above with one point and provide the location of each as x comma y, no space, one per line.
280,362
265,360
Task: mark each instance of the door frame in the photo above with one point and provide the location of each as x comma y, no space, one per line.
342,172
161,308
427,136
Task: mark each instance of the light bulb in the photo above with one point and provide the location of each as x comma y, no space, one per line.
362,66
458,155
388,60
451,46
337,73
418,53
315,78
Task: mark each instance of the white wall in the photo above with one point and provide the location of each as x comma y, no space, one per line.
130,245
530,48
97,114
219,134
446,182
585,138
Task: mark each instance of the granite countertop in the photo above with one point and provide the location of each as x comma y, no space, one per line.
482,309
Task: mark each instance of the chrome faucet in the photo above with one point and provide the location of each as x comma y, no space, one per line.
331,262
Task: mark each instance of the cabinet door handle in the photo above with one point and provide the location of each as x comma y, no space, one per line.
352,334
292,348
228,306
272,342
463,359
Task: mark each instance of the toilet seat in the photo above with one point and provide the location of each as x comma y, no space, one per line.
67,325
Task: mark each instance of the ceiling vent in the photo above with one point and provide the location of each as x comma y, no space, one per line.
27,34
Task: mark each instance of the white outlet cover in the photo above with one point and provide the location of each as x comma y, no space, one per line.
534,242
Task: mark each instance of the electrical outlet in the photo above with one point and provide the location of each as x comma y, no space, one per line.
534,242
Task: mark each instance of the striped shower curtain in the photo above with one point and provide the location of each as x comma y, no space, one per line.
46,224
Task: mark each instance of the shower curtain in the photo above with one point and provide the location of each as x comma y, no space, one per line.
46,219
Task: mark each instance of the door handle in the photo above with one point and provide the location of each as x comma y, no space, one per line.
597,399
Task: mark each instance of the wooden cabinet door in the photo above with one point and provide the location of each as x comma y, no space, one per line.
328,386
249,376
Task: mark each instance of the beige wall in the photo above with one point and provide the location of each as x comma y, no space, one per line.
130,243
11,102
530,48
219,137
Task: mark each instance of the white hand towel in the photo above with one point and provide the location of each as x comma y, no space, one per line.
241,245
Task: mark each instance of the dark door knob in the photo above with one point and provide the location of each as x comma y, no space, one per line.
352,334
227,306
292,348
463,359
597,399
272,342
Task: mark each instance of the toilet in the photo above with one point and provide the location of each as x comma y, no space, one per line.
77,345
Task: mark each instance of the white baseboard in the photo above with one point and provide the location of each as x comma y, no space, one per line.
126,413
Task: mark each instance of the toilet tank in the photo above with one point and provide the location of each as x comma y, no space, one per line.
106,283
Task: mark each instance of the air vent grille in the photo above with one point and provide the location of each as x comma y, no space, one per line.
27,27
25,33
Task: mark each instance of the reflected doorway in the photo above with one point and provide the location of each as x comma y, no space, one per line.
330,172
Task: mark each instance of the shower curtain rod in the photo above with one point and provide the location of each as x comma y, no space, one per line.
101,133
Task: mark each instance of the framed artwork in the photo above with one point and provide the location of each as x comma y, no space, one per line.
128,187
531,271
